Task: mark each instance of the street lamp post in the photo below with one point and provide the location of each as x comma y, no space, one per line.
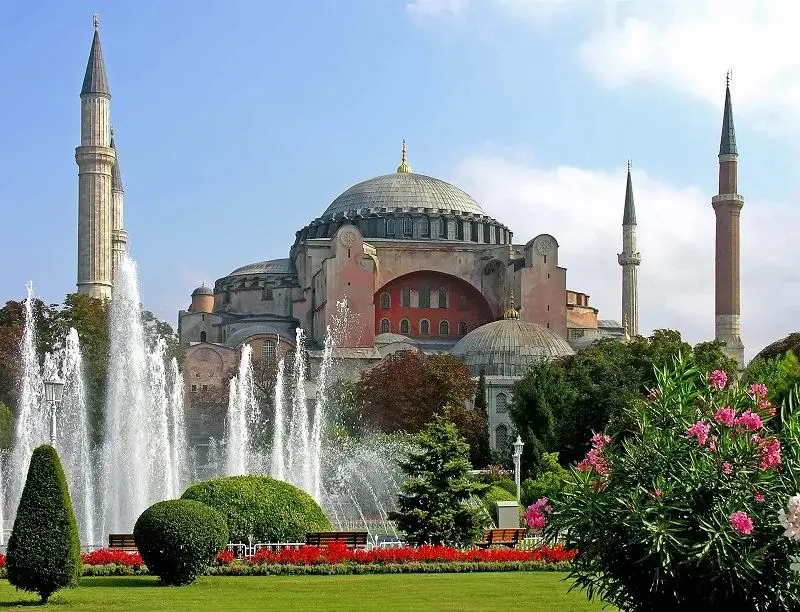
53,392
518,444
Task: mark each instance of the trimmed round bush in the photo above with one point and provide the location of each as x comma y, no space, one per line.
263,508
44,551
179,538
493,495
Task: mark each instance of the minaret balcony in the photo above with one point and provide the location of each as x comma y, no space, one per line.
727,197
629,259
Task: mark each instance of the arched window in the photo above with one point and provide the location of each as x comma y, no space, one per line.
501,404
501,437
444,328
424,327
462,328
385,326
405,297
442,297
442,227
424,296
426,226
390,227
202,336
408,226
268,351
404,328
288,362
386,301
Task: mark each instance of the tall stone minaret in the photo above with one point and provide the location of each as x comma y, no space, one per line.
119,237
629,259
95,158
727,207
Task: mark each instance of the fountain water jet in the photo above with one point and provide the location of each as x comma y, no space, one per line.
242,419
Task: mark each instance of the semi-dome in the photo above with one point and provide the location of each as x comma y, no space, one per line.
507,347
403,190
271,266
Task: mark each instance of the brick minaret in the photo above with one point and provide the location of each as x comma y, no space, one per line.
629,259
727,207
95,158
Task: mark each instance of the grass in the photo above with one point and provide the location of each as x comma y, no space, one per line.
530,591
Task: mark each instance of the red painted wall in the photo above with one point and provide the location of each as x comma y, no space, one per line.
476,313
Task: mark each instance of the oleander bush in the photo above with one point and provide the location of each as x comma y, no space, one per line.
261,508
178,539
43,553
683,513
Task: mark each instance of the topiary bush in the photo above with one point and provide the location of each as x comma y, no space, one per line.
261,508
44,551
493,495
179,538
684,513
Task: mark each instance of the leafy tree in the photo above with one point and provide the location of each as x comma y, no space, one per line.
10,363
549,480
480,453
433,505
155,329
6,426
407,388
344,401
43,553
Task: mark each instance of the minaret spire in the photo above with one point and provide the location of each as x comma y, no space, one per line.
629,259
96,159
404,168
727,209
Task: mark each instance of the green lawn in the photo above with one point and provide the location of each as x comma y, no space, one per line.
530,591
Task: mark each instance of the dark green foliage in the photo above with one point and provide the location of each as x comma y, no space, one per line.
480,453
549,481
6,426
493,495
261,508
44,550
344,400
433,505
780,373
652,520
559,404
179,538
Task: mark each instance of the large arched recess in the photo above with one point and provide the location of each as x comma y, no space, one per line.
465,307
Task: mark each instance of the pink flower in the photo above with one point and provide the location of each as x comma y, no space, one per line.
726,467
741,523
726,416
770,454
767,406
699,431
758,390
749,421
535,516
594,460
718,379
712,443
656,493
759,497
600,440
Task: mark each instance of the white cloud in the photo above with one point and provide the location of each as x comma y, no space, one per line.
582,208
436,8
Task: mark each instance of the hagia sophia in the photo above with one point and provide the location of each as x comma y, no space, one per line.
421,264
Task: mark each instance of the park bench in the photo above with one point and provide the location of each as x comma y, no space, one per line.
351,539
501,537
124,541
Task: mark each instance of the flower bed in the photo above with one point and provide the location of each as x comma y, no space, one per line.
338,559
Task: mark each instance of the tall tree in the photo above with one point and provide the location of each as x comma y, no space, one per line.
433,505
480,453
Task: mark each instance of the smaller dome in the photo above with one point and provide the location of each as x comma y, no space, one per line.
388,338
202,290
507,347
587,340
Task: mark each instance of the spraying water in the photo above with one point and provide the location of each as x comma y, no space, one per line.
242,419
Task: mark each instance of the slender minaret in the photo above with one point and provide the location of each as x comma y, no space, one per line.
95,159
727,208
629,259
119,237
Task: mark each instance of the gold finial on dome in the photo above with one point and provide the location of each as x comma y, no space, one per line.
511,313
404,168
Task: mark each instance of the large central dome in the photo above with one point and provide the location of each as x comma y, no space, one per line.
404,190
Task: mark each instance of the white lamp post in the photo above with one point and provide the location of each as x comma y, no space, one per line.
53,392
518,444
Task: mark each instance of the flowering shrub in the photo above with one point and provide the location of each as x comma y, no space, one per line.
111,556
684,511
338,553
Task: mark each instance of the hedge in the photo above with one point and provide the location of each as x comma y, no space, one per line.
261,508
493,495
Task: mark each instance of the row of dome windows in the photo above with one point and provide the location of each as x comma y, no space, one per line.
424,298
424,327
429,228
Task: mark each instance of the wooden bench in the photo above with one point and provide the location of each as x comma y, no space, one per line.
124,541
351,539
501,537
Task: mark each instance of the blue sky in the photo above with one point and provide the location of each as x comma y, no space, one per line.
237,123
